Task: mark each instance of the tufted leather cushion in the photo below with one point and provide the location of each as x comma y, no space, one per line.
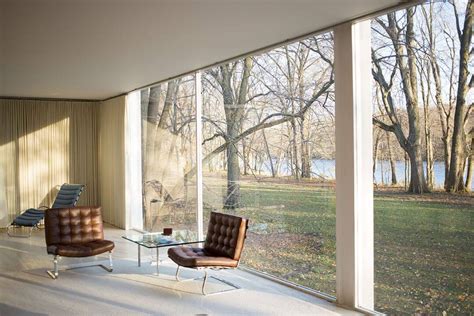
225,235
75,232
196,257
223,246
88,249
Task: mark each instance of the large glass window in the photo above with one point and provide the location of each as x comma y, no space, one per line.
424,236
268,154
169,155
268,148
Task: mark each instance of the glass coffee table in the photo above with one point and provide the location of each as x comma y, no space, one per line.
158,240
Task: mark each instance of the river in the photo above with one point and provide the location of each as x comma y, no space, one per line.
327,168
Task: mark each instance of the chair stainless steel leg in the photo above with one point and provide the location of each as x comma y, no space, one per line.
205,278
54,274
139,259
204,283
110,268
157,261
111,263
56,269
177,274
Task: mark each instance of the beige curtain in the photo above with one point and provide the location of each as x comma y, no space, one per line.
111,124
42,145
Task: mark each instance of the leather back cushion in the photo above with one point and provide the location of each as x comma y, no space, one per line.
225,235
73,225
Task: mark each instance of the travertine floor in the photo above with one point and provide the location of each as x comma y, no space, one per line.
25,289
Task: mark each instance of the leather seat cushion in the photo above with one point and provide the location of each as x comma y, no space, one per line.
196,257
87,249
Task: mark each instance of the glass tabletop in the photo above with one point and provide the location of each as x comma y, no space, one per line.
156,240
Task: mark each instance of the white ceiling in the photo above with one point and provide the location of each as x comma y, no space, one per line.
95,49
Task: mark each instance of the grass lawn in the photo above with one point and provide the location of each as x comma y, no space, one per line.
424,259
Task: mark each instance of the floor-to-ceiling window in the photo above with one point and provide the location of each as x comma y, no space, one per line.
169,155
268,148
268,154
424,236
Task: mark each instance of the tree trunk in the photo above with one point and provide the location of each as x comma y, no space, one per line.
294,147
447,159
417,177
171,92
426,94
458,148
305,155
267,149
444,114
429,159
153,104
470,164
304,143
406,173
152,120
404,47
234,112
245,156
417,181
393,167
376,152
233,169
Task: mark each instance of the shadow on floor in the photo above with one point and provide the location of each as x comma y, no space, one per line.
7,310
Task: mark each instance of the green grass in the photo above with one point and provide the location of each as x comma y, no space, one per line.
424,259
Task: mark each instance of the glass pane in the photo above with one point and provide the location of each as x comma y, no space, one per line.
424,236
268,130
169,155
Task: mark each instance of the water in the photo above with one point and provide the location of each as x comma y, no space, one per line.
326,168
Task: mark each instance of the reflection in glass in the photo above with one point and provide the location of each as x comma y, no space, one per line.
169,160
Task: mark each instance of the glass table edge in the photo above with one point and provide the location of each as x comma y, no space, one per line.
179,243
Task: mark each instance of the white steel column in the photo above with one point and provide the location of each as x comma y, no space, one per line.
133,162
354,189
199,211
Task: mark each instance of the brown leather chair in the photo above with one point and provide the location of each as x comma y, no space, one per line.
76,232
222,248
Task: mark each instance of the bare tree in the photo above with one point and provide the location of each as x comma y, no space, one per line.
425,96
455,181
235,94
470,162
405,62
444,108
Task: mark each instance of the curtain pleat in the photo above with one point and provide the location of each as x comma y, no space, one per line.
111,123
44,144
